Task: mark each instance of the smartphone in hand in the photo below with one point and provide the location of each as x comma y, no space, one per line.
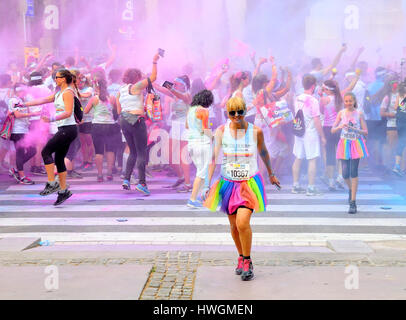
168,85
161,52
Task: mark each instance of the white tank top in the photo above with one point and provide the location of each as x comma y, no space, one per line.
239,155
60,108
103,113
130,102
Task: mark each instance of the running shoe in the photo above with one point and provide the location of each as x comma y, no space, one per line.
176,184
100,179
74,175
339,184
247,270
396,170
143,189
185,188
50,188
298,190
332,188
63,196
240,264
353,208
87,167
194,204
25,180
109,178
14,173
126,185
313,192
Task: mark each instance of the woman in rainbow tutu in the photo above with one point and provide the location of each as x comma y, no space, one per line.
352,146
240,190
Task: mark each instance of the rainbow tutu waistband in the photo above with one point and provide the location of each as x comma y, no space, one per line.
352,149
230,195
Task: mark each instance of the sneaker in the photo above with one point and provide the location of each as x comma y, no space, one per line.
14,173
26,180
247,270
194,204
353,207
109,178
100,179
87,167
332,188
50,188
126,185
396,170
298,190
185,188
143,189
38,171
176,184
339,184
238,270
313,192
63,196
74,175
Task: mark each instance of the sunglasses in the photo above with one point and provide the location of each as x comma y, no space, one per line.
239,112
59,77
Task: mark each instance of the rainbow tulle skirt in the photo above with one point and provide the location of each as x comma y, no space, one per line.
352,149
230,195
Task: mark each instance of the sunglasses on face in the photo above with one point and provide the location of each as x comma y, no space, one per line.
59,77
239,112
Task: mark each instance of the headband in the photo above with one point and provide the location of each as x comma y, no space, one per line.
350,74
36,78
381,73
327,87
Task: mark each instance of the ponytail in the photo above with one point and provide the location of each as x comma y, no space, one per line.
103,94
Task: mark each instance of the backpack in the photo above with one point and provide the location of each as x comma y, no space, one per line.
153,104
78,110
298,124
401,115
7,126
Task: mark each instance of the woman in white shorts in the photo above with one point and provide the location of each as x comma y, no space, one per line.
199,140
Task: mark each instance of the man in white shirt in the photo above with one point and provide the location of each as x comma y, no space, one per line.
308,146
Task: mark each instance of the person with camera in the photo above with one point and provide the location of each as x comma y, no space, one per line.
240,190
130,107
67,132
351,146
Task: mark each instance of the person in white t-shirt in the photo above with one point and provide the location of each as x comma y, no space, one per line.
308,146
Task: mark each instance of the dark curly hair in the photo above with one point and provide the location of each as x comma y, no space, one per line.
203,98
132,76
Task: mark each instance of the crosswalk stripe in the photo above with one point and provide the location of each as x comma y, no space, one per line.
328,208
119,195
207,221
200,238
108,187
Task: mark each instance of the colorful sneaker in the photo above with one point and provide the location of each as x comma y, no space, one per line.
313,192
50,188
176,184
14,173
143,189
194,204
74,175
126,185
238,270
100,179
185,188
247,270
298,190
87,167
396,170
25,180
63,196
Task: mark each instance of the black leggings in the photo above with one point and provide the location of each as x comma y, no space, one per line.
350,168
103,137
23,154
331,145
59,144
137,137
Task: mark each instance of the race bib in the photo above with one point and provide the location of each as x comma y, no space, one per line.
237,172
350,135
